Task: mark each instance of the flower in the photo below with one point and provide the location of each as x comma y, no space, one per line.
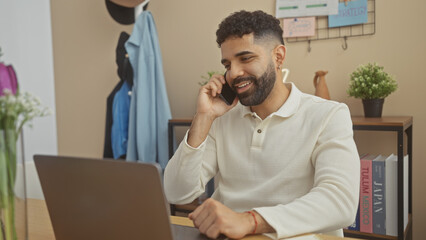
15,111
370,81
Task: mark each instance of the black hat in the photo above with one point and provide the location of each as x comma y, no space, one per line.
123,11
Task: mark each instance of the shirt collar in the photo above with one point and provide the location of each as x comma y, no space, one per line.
289,107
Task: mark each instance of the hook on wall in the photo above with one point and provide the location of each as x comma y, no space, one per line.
140,8
309,46
345,45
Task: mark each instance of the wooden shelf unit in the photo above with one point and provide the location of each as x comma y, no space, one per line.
187,208
401,125
171,128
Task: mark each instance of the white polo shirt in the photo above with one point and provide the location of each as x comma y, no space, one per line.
298,168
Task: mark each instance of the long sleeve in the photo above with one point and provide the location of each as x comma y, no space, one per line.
189,170
120,122
332,202
108,153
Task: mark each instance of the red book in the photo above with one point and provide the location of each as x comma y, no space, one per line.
366,196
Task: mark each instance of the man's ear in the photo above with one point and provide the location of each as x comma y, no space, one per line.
279,55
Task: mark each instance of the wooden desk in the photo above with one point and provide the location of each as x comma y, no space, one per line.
40,227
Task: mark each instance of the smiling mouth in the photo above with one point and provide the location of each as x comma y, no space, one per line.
242,87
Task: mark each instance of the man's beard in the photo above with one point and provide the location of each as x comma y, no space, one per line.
260,89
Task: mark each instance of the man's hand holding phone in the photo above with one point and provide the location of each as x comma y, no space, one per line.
216,97
209,107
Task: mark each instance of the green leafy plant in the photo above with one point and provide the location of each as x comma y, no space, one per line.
209,75
370,81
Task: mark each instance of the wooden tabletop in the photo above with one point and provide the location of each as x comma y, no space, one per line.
40,227
186,222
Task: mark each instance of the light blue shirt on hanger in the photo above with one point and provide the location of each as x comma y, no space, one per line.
149,106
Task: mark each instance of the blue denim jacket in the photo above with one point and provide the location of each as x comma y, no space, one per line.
120,121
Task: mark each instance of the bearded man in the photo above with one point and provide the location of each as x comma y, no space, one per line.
284,162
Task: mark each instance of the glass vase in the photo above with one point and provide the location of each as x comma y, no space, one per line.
13,211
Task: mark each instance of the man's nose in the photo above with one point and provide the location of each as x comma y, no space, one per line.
234,72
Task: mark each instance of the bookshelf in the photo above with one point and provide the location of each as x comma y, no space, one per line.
400,125
187,208
171,128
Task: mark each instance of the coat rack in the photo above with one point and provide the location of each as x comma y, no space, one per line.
139,8
323,32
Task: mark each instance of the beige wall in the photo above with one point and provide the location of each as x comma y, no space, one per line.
84,38
84,41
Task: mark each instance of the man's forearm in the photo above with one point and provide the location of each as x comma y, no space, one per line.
199,130
262,225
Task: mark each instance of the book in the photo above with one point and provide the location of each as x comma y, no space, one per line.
355,225
391,194
379,200
366,195
406,165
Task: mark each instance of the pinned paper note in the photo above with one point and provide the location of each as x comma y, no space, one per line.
299,27
303,8
354,13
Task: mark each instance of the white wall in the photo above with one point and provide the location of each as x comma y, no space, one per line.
26,42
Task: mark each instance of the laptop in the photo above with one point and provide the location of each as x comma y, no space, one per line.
107,199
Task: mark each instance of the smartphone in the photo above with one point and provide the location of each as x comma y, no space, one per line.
227,95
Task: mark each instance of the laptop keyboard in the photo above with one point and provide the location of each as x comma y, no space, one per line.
189,233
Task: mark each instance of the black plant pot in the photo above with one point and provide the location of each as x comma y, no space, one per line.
373,107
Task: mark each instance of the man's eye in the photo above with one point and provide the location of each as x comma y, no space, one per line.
246,58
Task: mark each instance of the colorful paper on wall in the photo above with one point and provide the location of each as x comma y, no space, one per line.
354,13
299,27
303,8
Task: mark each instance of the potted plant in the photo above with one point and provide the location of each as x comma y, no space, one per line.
372,84
209,75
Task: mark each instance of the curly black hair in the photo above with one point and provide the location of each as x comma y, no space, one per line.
240,23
